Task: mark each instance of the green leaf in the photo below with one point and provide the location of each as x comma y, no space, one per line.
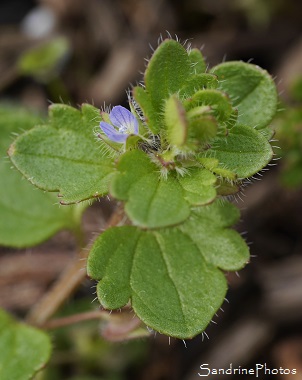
167,72
64,156
225,187
151,201
172,289
267,132
217,100
142,98
252,91
131,167
208,227
113,253
24,350
28,215
44,60
245,151
170,275
212,165
202,129
176,122
198,186
197,61
155,202
198,82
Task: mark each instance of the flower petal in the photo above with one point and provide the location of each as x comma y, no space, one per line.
112,133
124,120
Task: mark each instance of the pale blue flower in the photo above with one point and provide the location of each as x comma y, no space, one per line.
124,123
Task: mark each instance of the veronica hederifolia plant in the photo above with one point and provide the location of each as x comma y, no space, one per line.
191,137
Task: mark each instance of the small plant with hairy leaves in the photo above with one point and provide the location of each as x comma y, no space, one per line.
191,138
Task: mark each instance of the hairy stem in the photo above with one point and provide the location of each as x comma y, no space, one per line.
70,279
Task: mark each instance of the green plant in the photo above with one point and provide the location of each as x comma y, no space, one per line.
192,137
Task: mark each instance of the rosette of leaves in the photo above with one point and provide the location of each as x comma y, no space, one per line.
192,137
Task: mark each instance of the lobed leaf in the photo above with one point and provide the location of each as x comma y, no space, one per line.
170,275
24,350
63,155
208,227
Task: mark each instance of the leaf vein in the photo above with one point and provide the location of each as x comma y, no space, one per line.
170,277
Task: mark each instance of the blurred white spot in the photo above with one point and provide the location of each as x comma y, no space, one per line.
39,22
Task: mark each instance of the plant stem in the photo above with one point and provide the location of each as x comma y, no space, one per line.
119,325
70,279
75,318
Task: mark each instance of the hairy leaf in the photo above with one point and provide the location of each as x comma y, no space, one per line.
142,98
245,151
217,100
219,245
252,91
170,275
176,122
198,82
197,61
167,71
63,155
151,201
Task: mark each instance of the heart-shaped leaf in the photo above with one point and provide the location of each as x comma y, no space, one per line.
170,275
24,350
63,155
